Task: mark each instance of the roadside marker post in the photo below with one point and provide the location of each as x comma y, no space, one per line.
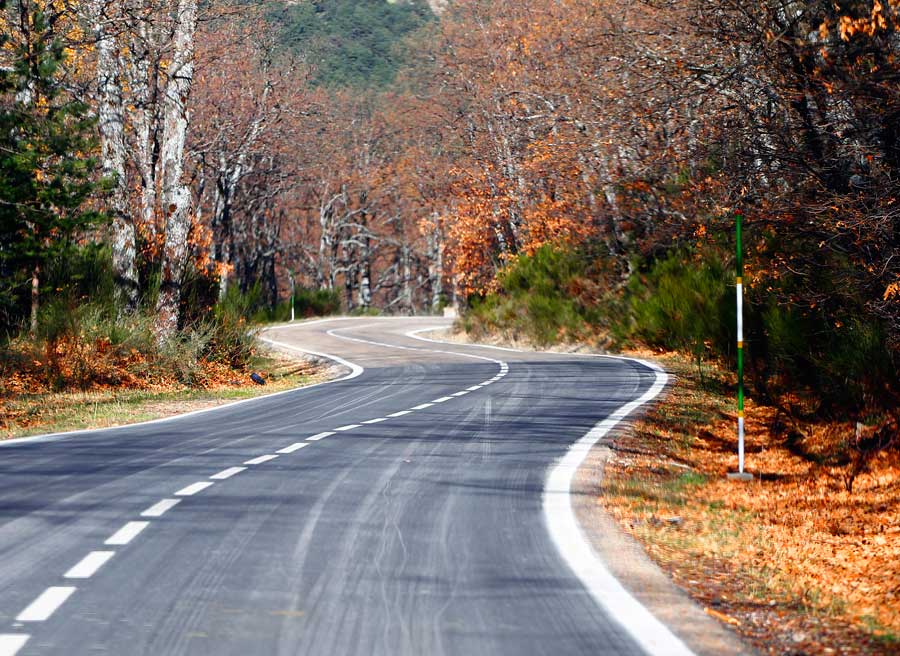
740,475
291,276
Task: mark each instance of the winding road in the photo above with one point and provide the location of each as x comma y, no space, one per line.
418,505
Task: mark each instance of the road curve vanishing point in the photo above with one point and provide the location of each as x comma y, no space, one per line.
420,505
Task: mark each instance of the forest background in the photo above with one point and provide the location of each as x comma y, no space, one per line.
562,171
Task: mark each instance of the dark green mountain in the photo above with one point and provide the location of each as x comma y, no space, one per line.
355,43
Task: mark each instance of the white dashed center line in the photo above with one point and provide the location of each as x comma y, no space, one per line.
127,533
473,388
423,406
227,473
192,489
442,399
11,643
401,413
161,508
296,446
89,565
376,421
261,460
45,605
320,436
346,428
463,393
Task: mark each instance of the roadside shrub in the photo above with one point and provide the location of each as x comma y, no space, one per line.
685,301
227,337
536,300
316,302
835,366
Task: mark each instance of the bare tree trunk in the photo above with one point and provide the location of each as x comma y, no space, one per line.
436,270
407,278
176,195
35,297
365,266
112,133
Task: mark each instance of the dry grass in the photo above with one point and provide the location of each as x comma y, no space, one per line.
793,561
45,411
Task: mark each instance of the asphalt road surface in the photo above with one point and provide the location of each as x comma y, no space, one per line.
397,511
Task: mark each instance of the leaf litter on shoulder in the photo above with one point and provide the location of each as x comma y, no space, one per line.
792,561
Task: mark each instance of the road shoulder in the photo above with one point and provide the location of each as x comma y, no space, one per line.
629,563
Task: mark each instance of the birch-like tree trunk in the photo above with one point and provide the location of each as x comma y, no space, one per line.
436,263
113,149
176,196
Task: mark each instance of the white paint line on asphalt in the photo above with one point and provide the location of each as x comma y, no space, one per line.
348,427
422,406
89,565
126,534
296,446
559,516
261,460
401,413
442,399
355,369
193,489
11,643
45,605
376,421
463,393
227,473
473,388
320,436
160,508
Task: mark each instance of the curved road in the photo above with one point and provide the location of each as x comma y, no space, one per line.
401,513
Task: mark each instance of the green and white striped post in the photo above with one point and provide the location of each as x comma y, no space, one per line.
740,339
741,475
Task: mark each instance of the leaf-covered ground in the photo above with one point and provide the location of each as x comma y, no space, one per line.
793,561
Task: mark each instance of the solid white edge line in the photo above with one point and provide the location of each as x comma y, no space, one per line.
89,565
45,605
126,534
296,446
225,474
160,508
320,436
376,421
261,460
193,489
11,643
559,516
348,427
355,370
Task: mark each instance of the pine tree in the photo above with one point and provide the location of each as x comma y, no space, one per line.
47,171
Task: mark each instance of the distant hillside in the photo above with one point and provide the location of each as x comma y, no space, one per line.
350,42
